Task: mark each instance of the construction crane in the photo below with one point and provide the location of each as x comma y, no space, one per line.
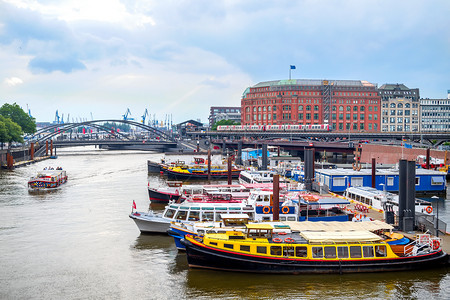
144,116
125,116
56,118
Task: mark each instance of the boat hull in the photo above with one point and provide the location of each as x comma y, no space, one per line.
200,256
214,175
150,224
162,197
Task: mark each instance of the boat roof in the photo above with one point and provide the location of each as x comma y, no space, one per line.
332,226
326,200
340,236
259,226
367,172
234,216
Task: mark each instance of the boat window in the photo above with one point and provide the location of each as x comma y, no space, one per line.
291,218
200,232
317,252
390,181
330,252
213,243
342,251
261,249
368,251
194,216
207,216
275,250
301,251
230,246
355,252
288,251
245,248
380,251
181,215
170,213
218,218
282,218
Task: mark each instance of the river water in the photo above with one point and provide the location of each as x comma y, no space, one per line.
79,243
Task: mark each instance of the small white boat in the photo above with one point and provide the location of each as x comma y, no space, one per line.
379,199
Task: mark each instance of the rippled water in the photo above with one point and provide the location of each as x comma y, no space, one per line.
78,242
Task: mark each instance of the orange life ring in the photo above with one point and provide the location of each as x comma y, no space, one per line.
277,240
429,209
289,240
266,209
436,244
285,209
282,233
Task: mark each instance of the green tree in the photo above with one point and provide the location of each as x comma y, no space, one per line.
19,116
12,131
224,122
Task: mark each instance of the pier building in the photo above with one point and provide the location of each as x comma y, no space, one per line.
346,105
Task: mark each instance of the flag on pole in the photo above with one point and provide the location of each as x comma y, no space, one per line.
292,67
134,205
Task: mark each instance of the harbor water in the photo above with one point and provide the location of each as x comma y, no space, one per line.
79,243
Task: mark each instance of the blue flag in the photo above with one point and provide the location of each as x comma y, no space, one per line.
408,146
292,67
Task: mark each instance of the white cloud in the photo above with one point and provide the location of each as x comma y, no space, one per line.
13,81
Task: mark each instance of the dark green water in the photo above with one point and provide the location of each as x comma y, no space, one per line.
79,243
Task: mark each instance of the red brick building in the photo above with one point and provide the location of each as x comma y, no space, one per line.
347,105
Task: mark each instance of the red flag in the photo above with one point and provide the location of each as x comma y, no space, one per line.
134,205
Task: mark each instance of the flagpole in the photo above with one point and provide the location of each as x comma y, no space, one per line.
290,72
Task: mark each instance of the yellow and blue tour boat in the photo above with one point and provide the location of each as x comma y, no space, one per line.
312,248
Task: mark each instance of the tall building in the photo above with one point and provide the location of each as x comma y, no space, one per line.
435,114
346,105
399,108
218,113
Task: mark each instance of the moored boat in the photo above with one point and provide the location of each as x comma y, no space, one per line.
258,207
47,179
200,172
372,198
165,194
259,249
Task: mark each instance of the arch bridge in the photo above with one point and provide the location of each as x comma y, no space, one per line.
118,138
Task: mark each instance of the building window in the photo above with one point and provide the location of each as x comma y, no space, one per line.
361,108
355,108
316,116
361,117
308,116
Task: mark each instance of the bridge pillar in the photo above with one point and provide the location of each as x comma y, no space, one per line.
51,147
9,161
264,157
229,169
46,148
239,154
32,151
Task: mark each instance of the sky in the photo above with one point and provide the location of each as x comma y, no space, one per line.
98,58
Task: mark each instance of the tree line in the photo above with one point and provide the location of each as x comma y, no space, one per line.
14,123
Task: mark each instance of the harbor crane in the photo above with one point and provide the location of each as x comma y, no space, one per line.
57,118
125,116
144,116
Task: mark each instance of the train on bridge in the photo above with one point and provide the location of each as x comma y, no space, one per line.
276,128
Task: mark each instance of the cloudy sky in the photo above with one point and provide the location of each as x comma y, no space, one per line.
179,58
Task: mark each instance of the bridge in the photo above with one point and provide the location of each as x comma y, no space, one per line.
67,135
427,139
